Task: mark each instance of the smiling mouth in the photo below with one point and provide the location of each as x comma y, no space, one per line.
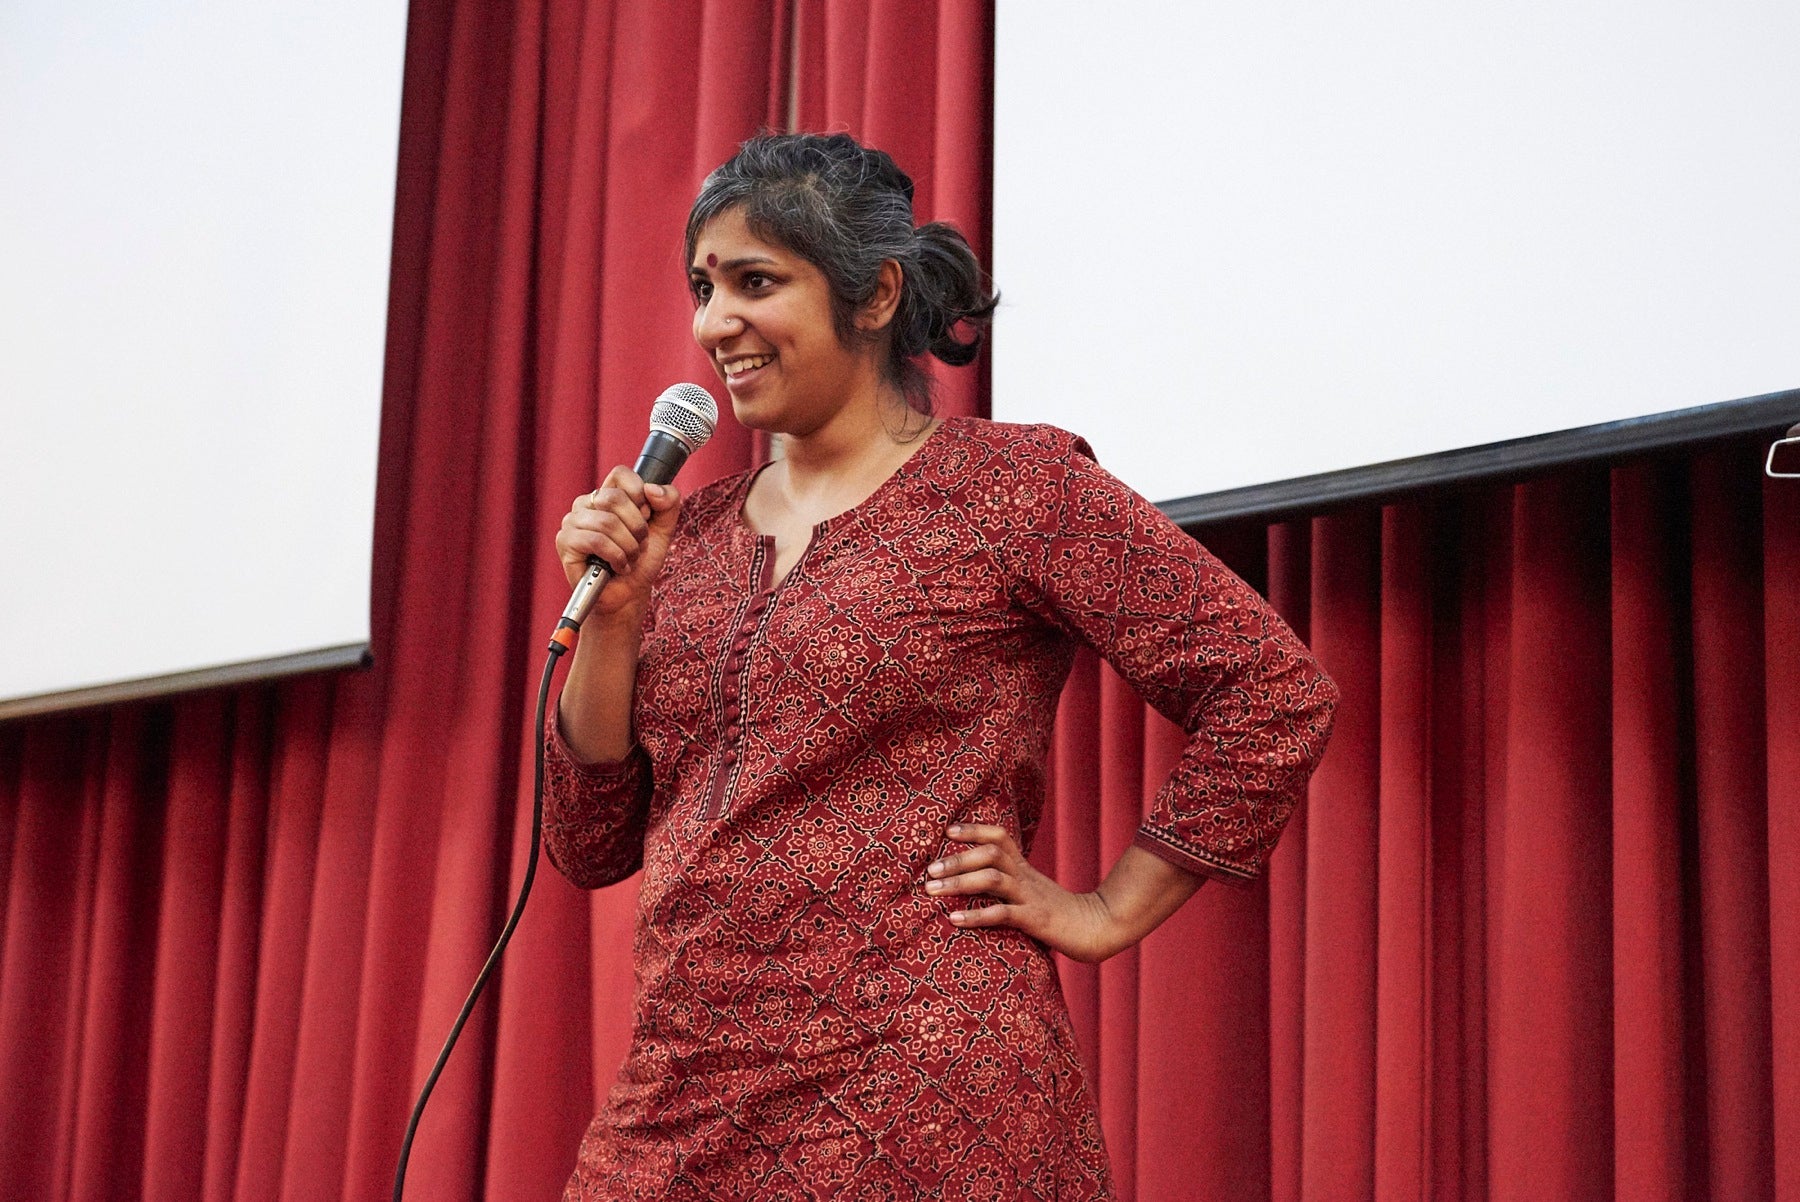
738,367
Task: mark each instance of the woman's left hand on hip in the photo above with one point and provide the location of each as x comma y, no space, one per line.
1079,925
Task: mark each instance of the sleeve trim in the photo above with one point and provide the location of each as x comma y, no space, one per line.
1192,859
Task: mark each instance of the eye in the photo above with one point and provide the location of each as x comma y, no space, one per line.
701,289
756,281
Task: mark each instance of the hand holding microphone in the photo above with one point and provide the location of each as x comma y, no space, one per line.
624,525
614,539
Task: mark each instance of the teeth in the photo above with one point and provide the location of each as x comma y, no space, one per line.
738,366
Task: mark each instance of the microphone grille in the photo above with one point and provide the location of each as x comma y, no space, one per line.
687,412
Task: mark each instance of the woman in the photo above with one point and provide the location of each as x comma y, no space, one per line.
815,704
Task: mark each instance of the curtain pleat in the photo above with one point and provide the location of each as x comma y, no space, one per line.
1730,756
1454,1105
1403,835
1650,726
1125,754
1549,984
1532,936
1342,855
235,972
1290,592
296,796
187,949
1781,681
109,1069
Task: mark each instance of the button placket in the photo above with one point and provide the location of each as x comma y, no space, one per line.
736,679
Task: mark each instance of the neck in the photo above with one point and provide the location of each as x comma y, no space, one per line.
875,429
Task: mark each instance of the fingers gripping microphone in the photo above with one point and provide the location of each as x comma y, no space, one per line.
680,423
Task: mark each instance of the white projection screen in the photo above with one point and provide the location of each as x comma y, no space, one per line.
1250,241
196,214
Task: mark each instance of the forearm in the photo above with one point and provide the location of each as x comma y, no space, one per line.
1140,892
594,713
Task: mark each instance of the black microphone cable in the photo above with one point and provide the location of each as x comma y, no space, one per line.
506,933
681,421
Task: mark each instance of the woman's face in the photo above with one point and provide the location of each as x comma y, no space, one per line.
763,315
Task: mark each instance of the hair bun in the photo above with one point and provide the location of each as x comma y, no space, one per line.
948,291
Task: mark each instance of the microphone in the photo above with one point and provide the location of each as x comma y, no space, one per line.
680,423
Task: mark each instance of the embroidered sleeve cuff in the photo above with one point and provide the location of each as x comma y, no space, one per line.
594,814
1193,859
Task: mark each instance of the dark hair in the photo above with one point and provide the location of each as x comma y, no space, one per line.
845,208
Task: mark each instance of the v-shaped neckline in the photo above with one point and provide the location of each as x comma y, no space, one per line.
769,582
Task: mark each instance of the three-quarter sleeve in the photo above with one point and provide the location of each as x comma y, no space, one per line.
594,814
1196,642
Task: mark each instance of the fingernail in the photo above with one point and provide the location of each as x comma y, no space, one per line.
955,831
936,868
934,886
957,916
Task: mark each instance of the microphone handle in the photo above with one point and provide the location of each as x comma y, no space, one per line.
657,463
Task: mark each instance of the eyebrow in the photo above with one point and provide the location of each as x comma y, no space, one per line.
730,264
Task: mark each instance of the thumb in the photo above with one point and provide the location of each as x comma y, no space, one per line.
664,501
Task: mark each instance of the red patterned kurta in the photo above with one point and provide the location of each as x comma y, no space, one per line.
809,1024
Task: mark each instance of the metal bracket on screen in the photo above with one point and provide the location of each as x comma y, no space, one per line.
1790,469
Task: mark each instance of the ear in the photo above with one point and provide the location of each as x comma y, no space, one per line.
880,310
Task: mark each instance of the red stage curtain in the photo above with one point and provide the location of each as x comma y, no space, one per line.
1529,938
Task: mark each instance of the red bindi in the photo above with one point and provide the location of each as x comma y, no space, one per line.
712,260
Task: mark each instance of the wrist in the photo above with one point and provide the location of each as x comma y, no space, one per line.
1140,892
627,620
1117,909
1108,934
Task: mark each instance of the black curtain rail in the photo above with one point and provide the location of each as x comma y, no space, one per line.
1304,496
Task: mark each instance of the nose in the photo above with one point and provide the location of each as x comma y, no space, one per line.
716,321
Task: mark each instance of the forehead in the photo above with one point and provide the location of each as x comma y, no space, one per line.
728,237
